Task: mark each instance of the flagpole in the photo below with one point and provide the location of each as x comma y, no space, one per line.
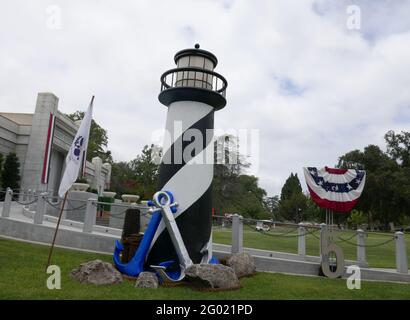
56,230
66,183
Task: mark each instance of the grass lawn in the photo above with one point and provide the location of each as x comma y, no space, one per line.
378,257
22,276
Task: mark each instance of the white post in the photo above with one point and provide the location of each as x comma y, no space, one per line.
401,255
7,203
237,234
361,250
302,239
323,229
90,216
40,208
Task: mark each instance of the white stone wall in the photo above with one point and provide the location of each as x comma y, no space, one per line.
28,141
32,169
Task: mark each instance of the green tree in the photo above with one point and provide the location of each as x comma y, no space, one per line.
242,195
313,212
272,206
11,172
291,186
386,196
234,191
123,179
146,171
356,219
398,147
138,176
292,200
97,144
1,168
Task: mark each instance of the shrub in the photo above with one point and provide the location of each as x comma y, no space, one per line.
10,176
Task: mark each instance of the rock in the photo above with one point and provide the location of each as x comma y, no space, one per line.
214,275
242,263
147,280
96,272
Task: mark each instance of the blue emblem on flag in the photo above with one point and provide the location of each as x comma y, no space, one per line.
77,147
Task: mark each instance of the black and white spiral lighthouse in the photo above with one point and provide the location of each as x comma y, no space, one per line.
192,91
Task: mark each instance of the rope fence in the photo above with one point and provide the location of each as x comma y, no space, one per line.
251,224
368,245
286,234
25,203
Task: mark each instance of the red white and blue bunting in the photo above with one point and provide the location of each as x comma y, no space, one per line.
335,189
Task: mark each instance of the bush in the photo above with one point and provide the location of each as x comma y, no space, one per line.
92,190
356,219
10,176
81,180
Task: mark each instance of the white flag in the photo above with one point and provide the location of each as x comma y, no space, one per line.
75,154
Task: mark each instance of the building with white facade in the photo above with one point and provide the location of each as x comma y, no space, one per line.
41,141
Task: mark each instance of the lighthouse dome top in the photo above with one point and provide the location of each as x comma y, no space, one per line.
194,79
191,53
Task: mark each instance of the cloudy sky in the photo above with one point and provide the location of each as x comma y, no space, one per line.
314,87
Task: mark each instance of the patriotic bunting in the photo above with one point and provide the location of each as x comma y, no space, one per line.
335,189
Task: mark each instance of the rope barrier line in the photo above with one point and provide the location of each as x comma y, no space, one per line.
25,203
115,215
285,234
369,233
128,206
53,204
77,208
57,206
368,245
344,240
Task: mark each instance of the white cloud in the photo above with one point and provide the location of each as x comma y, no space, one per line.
314,89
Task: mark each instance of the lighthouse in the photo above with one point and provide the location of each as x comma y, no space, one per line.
192,92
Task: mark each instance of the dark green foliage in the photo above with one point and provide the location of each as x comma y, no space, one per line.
146,172
97,144
10,175
81,180
139,176
291,186
237,193
272,206
123,180
292,200
386,196
1,167
398,147
313,212
105,207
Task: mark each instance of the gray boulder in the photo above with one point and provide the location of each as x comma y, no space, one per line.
96,272
242,263
147,280
213,275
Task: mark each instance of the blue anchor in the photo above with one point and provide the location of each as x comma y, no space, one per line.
136,265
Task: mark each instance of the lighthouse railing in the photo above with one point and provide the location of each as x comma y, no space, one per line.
194,77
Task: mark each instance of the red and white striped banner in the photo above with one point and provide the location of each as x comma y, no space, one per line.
47,152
